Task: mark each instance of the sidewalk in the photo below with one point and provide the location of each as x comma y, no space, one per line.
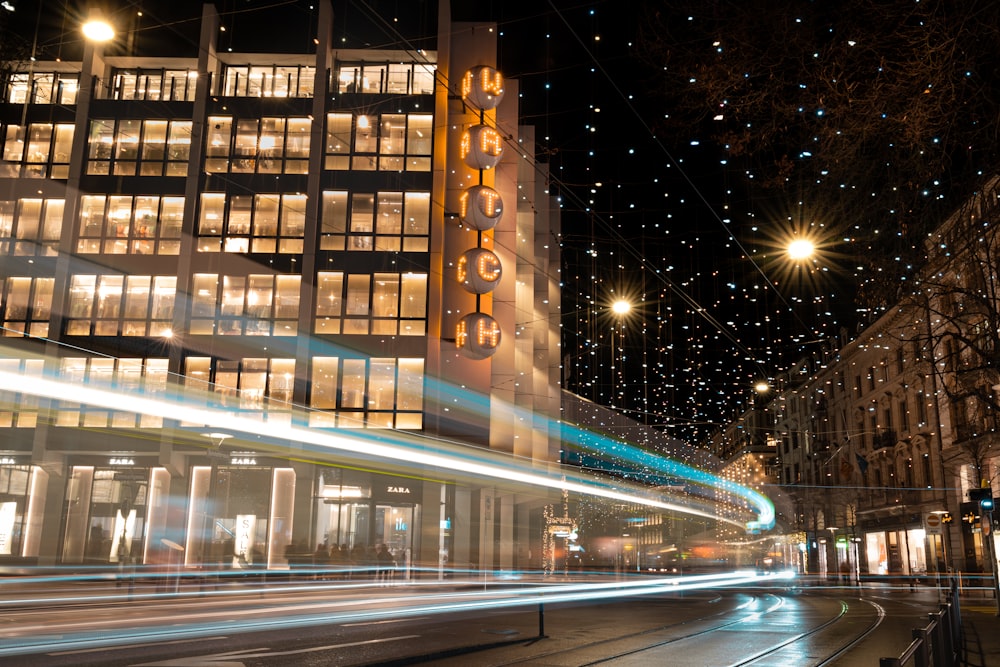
981,627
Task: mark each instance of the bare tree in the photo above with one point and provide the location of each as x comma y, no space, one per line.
880,114
956,331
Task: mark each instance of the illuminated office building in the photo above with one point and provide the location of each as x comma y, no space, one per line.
339,240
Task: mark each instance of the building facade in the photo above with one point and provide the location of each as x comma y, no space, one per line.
334,240
883,439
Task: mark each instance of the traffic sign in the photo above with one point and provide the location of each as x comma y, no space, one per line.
932,522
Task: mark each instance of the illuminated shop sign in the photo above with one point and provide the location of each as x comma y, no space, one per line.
482,147
481,207
477,335
482,87
478,270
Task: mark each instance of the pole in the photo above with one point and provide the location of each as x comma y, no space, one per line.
541,620
992,549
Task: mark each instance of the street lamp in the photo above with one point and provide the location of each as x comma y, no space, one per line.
836,556
98,30
621,308
801,249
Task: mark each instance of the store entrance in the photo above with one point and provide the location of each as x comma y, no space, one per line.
394,528
344,523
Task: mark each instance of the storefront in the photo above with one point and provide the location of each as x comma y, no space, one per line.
239,513
896,552
360,510
109,507
22,501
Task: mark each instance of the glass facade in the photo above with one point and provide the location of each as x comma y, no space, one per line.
260,223
164,239
31,226
153,84
269,81
257,145
130,224
400,78
38,150
132,147
375,221
372,142
42,87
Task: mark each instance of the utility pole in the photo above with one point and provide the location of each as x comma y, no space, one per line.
984,496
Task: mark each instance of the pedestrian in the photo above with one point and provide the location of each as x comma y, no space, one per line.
384,564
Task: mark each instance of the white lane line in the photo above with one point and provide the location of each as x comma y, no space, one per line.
104,649
390,620
226,659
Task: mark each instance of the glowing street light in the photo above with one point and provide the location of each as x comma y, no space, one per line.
621,307
801,249
762,387
98,30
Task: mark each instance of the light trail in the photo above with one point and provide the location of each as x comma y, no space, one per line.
391,445
108,632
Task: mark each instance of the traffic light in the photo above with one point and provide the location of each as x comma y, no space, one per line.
984,497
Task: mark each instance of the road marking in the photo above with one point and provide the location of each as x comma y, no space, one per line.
390,620
105,649
226,659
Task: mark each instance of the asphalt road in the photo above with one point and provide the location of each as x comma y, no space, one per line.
403,626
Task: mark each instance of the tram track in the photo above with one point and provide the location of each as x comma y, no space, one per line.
593,645
842,650
643,646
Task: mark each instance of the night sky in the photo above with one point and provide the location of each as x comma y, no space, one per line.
666,221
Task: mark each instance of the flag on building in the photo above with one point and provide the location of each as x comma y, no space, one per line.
846,469
862,463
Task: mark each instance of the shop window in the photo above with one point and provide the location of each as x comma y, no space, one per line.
116,515
26,305
366,393
15,485
115,305
132,376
